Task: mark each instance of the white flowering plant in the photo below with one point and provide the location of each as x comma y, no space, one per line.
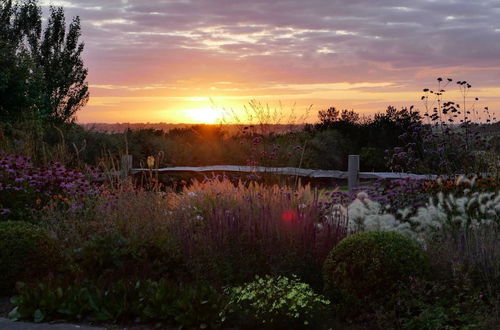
365,214
470,210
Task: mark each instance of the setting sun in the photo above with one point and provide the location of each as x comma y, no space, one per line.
204,115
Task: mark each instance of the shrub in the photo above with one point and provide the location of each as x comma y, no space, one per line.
168,303
276,303
451,303
197,306
370,265
110,256
26,252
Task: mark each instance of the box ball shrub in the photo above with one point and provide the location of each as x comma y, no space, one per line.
371,265
26,253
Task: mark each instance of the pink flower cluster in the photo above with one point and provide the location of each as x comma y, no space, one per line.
18,175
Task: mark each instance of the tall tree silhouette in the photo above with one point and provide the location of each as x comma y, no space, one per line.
43,72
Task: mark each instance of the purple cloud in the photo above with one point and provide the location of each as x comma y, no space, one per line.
289,41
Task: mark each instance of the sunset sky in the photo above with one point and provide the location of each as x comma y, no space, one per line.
178,60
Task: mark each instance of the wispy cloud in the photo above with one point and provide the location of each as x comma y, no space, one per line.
139,48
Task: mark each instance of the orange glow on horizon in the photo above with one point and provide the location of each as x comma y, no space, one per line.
145,106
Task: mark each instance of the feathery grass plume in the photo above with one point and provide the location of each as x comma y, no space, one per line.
282,226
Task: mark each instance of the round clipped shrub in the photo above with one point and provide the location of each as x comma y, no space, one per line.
276,303
372,265
26,253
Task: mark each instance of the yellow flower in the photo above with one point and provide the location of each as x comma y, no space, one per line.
151,162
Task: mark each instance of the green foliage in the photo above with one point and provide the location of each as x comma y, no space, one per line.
18,82
26,253
109,256
466,265
276,303
163,302
368,137
372,158
198,306
43,76
442,304
332,118
333,147
369,266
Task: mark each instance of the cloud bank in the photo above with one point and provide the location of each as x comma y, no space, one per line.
158,50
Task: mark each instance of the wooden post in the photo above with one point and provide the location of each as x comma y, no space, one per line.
126,165
353,172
